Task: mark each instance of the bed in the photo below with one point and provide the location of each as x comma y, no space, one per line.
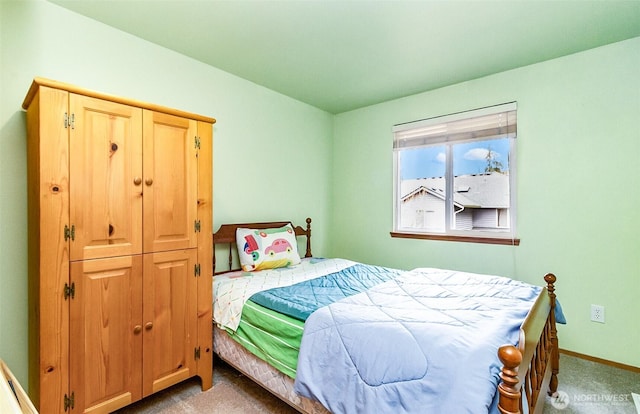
301,337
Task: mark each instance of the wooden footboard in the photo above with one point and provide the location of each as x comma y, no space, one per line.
533,367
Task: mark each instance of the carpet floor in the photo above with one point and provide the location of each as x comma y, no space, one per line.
586,387
232,393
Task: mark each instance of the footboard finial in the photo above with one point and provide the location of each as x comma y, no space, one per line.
550,278
511,358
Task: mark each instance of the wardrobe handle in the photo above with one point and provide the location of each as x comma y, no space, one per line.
148,326
148,181
137,329
137,181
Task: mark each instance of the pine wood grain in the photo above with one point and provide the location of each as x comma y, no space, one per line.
122,171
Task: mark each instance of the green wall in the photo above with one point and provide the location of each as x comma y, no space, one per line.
577,165
271,153
578,192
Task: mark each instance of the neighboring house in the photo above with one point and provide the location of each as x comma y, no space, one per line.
480,201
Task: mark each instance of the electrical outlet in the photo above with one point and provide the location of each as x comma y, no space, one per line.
597,313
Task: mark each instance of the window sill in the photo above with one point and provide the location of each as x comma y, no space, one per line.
464,239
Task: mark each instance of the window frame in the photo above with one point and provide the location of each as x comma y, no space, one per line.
490,236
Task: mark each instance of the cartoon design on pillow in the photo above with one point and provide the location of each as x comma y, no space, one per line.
251,247
267,248
278,246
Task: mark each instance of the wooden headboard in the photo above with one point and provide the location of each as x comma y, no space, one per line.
226,234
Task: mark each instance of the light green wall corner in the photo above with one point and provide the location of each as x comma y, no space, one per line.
272,154
578,192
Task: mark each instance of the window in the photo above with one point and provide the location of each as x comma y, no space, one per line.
454,176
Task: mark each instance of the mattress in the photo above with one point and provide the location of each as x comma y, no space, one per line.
262,373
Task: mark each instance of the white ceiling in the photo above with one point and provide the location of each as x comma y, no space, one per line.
342,55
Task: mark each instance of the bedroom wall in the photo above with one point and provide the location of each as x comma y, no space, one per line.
271,153
578,192
577,157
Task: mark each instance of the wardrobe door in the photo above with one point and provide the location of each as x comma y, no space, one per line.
169,318
106,333
105,178
170,182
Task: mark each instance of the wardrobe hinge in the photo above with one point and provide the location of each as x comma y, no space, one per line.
196,270
69,401
69,290
196,353
69,121
196,141
69,233
196,226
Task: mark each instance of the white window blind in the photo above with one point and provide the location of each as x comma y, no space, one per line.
485,123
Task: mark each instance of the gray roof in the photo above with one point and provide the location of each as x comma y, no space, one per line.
489,190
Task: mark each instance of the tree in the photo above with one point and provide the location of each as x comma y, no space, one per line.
493,165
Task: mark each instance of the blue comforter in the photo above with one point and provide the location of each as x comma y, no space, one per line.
423,342
302,299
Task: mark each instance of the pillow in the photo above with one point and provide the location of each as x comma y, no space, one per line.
260,249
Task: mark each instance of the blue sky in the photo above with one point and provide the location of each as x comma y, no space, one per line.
468,158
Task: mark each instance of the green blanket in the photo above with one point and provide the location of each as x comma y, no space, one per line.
271,336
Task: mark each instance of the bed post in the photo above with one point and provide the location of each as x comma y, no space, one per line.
308,252
213,254
509,402
550,278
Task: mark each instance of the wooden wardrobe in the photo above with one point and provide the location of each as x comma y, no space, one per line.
120,248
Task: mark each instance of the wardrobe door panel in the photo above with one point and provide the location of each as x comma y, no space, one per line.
170,182
169,318
106,333
106,178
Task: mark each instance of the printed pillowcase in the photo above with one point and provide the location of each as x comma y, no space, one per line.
261,249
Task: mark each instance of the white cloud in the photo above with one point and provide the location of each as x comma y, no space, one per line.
479,154
441,157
